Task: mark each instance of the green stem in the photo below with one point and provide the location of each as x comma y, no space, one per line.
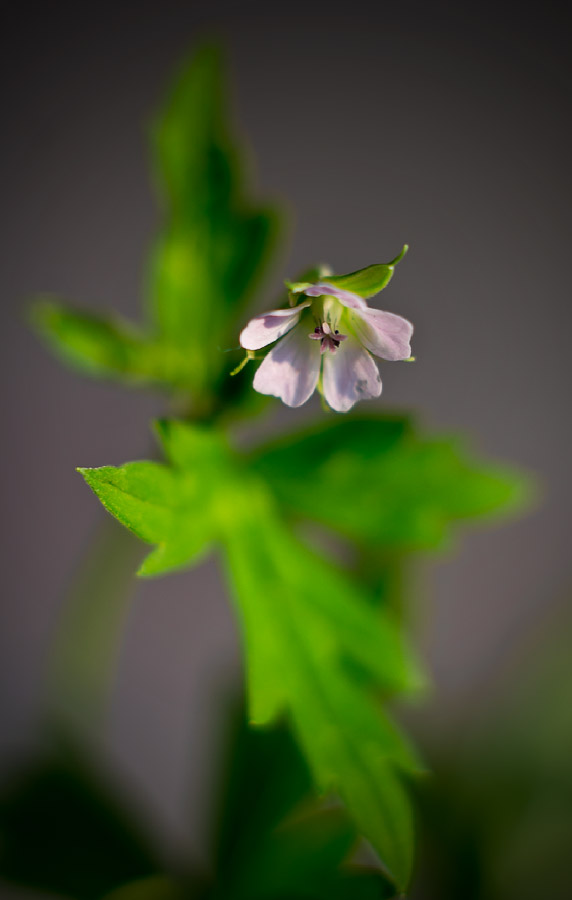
84,655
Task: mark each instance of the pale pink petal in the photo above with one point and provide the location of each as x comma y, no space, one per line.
346,298
267,328
383,333
291,369
350,374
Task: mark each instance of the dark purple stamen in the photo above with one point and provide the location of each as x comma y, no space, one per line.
329,340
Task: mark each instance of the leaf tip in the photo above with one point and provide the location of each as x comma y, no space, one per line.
88,474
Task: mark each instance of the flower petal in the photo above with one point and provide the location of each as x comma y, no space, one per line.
267,328
383,333
349,375
346,298
291,369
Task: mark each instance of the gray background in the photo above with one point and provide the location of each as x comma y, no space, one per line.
446,126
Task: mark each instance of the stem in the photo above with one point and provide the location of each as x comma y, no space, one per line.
83,659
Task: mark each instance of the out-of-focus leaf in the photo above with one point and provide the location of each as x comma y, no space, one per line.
63,830
311,634
259,850
98,346
299,859
81,669
496,817
214,242
360,883
207,260
263,777
301,620
274,839
369,281
376,481
158,887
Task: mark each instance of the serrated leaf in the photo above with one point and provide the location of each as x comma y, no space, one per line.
301,619
176,507
310,633
379,482
369,281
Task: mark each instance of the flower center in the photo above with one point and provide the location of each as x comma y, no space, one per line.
329,338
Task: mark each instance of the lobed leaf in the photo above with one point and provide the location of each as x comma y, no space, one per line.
380,483
176,508
301,620
311,634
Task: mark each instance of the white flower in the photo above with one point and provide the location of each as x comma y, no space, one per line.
326,342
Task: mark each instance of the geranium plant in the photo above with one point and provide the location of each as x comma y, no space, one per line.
321,767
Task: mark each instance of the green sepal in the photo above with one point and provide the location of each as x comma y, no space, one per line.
305,280
369,281
298,287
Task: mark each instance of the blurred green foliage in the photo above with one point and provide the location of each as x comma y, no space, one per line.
378,482
209,257
324,642
64,829
303,618
497,813
67,829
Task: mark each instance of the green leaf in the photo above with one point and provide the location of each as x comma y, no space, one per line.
380,483
98,346
80,672
208,259
263,777
214,242
369,281
303,621
158,887
317,649
195,157
300,859
275,840
64,830
176,508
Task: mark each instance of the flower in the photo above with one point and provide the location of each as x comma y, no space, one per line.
326,341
